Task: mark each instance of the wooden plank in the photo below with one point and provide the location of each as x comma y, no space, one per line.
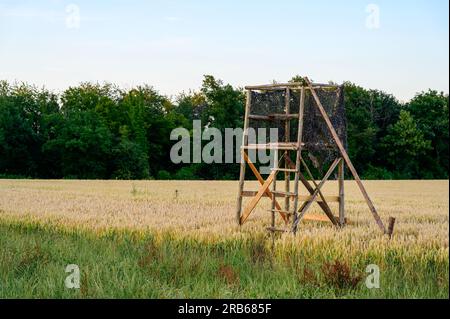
318,218
283,193
250,206
261,181
299,151
242,168
289,170
347,158
282,86
274,188
272,117
341,192
277,211
271,146
287,133
316,192
330,199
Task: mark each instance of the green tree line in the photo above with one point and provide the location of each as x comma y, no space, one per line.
100,131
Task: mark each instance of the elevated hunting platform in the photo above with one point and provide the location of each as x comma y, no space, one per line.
310,121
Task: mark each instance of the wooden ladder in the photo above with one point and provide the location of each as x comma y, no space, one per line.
286,147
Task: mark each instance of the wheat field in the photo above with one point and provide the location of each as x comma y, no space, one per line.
203,213
207,208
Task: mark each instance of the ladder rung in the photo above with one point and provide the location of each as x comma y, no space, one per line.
273,229
289,170
273,116
273,146
283,193
253,194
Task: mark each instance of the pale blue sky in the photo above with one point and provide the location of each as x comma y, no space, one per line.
171,44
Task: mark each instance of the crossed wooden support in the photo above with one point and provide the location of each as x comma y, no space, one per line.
263,190
314,193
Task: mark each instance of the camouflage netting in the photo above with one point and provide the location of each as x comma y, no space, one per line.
318,141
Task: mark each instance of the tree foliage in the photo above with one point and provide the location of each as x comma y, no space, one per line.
102,131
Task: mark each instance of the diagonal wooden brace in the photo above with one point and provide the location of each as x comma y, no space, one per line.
261,181
323,204
316,192
262,190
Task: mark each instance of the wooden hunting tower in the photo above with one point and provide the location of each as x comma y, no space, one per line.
310,119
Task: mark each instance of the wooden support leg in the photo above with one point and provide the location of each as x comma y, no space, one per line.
241,188
274,188
299,151
287,187
341,193
287,133
243,155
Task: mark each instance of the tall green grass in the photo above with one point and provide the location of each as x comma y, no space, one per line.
125,264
